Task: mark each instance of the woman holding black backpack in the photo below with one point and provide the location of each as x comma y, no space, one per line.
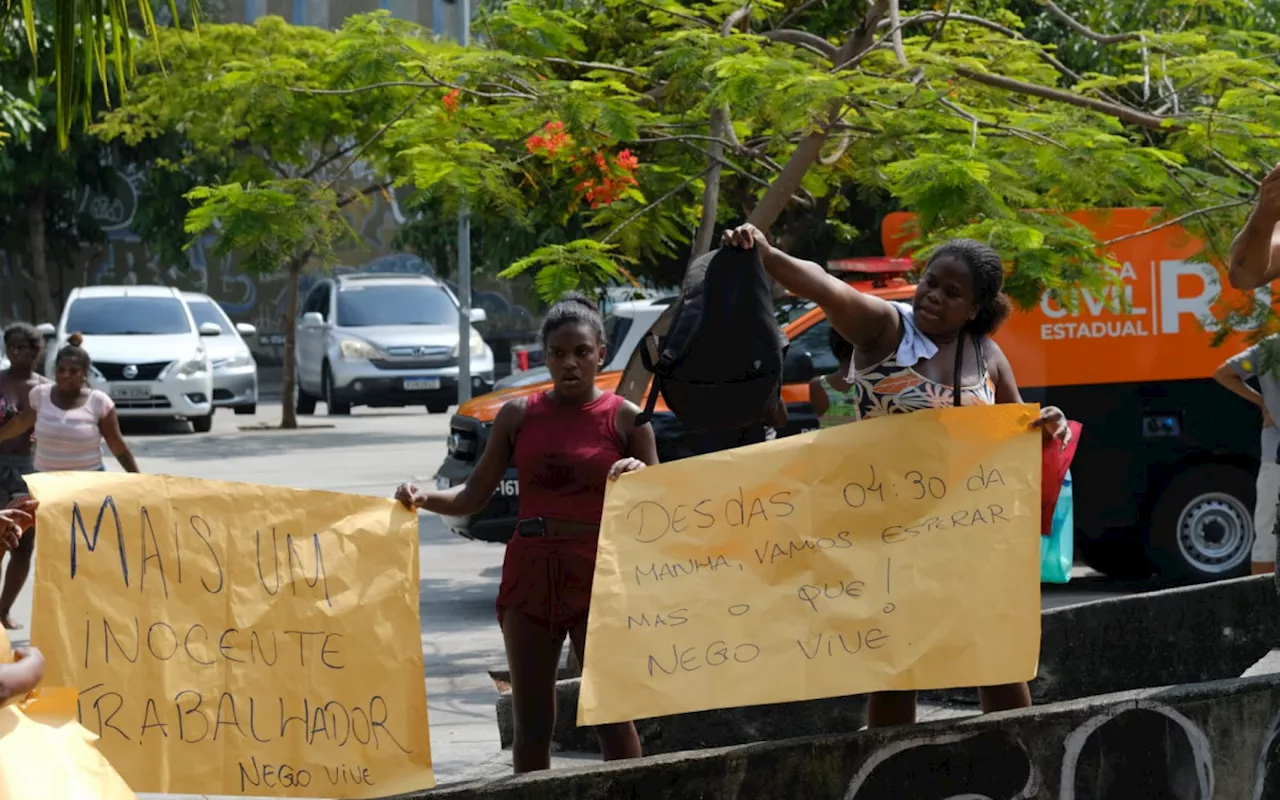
935,352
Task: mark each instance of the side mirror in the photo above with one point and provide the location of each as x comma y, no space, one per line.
797,367
312,319
245,329
47,330
210,329
479,315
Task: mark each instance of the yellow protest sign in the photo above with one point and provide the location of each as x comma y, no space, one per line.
895,553
233,639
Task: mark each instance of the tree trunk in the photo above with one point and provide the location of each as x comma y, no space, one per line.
289,416
36,250
702,241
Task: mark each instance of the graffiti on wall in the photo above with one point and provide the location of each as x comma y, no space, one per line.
1139,749
125,260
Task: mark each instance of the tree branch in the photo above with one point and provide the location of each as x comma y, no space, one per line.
595,65
1082,29
1169,223
680,14
375,137
942,18
895,19
653,205
382,186
1021,133
809,41
1121,112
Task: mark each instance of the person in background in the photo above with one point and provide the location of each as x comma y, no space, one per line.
1233,374
1255,253
566,443
22,344
70,419
832,395
935,352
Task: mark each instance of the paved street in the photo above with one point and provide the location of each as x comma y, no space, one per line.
369,453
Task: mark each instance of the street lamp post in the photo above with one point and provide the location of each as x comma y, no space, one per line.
464,250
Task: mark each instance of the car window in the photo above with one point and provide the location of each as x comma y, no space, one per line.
814,342
790,309
394,304
615,333
127,316
205,311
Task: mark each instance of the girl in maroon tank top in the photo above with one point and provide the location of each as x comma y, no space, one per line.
566,444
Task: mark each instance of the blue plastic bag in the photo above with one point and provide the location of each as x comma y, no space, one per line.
1057,550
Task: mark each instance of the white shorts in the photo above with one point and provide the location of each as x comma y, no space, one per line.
1264,514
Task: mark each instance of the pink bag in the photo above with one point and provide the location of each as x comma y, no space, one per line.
1056,460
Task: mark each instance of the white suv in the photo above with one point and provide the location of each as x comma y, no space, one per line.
147,351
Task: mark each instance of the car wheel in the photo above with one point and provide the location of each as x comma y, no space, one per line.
304,403
248,410
202,424
336,407
1202,525
438,407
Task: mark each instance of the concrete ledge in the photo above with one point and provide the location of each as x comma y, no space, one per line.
1175,636
1207,741
700,729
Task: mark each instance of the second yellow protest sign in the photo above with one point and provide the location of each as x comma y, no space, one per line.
896,553
233,639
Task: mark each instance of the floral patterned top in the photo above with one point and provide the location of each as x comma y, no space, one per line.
842,407
892,387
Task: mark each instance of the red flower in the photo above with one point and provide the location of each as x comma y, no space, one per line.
452,100
627,161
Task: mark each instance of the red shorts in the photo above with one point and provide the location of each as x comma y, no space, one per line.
548,579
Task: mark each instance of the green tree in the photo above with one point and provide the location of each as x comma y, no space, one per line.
43,186
954,112
269,148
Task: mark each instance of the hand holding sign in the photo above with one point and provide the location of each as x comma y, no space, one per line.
897,553
235,639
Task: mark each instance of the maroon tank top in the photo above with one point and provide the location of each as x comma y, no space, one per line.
563,454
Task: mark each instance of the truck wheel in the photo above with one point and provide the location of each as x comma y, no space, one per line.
1202,526
248,410
1122,560
438,407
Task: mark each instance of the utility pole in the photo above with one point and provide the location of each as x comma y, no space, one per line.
464,250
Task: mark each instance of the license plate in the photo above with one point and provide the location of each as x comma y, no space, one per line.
421,384
127,392
509,488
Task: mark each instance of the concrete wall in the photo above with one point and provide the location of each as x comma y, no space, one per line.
1184,635
1199,742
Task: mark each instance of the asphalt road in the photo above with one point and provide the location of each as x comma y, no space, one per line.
369,453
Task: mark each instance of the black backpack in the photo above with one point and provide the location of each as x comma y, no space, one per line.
720,364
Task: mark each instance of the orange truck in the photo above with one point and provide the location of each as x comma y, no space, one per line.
1164,475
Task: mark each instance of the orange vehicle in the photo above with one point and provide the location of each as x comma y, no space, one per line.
1164,476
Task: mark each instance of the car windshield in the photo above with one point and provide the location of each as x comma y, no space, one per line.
127,316
394,304
205,311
